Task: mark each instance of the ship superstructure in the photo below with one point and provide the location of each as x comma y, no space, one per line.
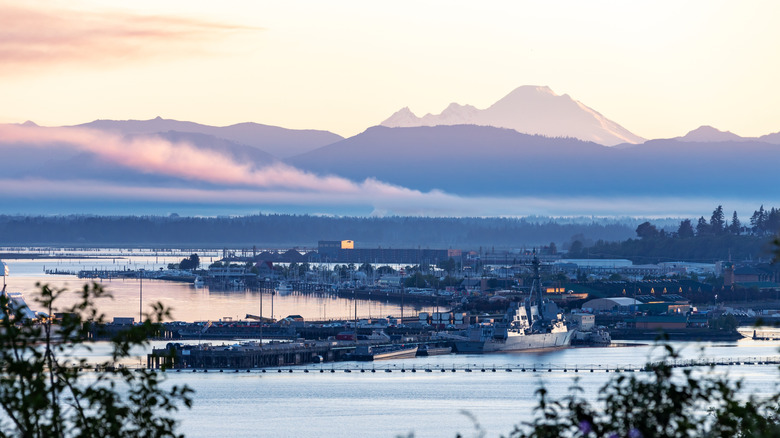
536,323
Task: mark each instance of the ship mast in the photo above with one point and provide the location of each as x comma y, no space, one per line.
536,294
537,283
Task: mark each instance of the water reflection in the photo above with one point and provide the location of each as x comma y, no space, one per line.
199,304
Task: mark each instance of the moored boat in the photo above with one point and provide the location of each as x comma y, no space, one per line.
284,288
535,324
371,353
425,350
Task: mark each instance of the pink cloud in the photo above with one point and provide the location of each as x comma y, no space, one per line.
156,155
33,34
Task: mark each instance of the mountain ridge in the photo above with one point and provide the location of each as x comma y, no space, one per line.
475,160
277,141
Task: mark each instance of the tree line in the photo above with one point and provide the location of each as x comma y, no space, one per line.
707,241
287,230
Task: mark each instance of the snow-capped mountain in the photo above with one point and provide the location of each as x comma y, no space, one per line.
529,110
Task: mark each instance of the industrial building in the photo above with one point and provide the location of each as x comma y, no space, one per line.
344,251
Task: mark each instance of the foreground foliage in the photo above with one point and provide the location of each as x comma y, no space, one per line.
660,403
45,392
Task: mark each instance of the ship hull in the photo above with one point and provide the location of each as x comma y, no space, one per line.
516,343
403,353
434,351
399,354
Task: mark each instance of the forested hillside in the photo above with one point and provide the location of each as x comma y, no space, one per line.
706,241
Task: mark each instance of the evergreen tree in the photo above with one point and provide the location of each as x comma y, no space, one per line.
757,221
191,262
702,228
686,229
772,221
735,227
717,221
646,230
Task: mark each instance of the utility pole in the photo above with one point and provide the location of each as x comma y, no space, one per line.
403,287
141,296
261,314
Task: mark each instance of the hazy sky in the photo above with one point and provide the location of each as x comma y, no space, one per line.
658,68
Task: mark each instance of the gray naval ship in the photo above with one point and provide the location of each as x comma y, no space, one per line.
537,323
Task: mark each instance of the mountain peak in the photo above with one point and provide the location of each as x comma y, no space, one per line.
533,89
529,109
29,123
706,133
402,118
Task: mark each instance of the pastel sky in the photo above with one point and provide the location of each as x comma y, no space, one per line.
659,68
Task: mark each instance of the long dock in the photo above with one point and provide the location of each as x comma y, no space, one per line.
406,367
298,357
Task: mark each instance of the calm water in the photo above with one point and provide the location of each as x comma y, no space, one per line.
188,303
437,404
428,404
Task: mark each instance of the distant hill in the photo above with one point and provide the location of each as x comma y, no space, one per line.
709,134
279,142
464,159
467,159
773,138
67,162
237,151
529,110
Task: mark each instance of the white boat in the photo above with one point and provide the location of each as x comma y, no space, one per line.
16,303
198,282
283,288
535,324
